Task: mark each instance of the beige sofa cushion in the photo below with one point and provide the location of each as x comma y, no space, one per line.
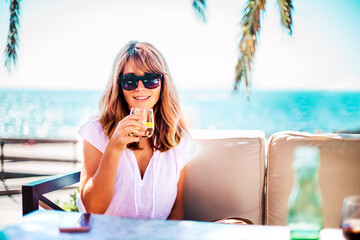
225,178
339,173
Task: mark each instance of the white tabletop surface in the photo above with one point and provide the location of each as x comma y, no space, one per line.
45,225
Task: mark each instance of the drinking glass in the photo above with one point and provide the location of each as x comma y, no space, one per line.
148,121
350,219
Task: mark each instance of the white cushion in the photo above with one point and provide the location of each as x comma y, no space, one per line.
339,173
225,178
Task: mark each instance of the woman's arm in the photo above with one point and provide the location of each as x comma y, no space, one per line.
98,175
177,211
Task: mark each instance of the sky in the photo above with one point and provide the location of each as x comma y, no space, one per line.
71,44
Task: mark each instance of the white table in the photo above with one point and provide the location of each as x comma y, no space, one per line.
43,224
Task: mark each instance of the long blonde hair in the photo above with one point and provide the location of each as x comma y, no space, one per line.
169,122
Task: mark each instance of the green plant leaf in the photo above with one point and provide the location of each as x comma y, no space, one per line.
71,204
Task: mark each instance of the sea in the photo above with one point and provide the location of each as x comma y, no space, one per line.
38,113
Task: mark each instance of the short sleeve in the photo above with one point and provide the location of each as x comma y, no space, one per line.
92,132
80,205
185,150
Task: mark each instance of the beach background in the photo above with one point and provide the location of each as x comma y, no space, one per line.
59,113
309,81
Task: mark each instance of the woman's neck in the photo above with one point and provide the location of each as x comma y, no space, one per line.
145,143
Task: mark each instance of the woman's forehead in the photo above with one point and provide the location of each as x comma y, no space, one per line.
137,67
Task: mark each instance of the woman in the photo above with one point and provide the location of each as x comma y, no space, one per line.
122,175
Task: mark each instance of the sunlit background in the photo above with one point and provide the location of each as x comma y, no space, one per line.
67,47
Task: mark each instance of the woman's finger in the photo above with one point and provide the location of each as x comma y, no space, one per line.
126,131
131,139
131,130
131,123
130,118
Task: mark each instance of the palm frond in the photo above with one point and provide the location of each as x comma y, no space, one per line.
199,7
250,25
285,11
13,35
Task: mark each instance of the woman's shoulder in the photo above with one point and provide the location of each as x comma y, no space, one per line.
92,132
186,144
92,124
185,139
184,150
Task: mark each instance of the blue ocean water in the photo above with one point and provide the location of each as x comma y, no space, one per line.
44,114
58,114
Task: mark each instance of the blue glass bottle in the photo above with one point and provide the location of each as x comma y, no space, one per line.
305,216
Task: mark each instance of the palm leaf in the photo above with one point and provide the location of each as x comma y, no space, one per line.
250,25
199,7
13,37
285,11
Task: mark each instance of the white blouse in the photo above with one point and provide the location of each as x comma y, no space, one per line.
151,197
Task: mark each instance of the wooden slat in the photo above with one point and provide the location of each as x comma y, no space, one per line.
32,141
10,192
16,158
35,140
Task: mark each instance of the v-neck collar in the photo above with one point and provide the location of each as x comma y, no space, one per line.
136,166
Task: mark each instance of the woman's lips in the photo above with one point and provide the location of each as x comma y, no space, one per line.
141,98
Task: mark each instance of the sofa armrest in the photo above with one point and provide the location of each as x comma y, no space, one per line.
33,192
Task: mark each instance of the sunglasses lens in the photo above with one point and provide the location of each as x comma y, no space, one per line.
151,83
129,82
152,80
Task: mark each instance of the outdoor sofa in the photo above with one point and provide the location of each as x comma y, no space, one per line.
243,174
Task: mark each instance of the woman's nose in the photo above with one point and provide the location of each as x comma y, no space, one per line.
140,86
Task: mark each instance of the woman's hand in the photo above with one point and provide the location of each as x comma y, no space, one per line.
128,130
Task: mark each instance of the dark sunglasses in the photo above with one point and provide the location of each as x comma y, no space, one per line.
131,81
